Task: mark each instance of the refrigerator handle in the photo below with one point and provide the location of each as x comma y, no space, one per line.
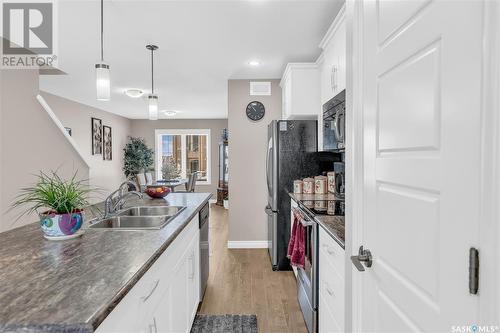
269,150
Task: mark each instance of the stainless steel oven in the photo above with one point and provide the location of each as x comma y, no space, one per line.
334,123
307,277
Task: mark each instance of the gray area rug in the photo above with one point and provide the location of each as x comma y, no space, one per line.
225,324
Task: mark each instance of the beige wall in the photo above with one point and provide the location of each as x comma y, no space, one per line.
247,160
107,175
146,129
30,141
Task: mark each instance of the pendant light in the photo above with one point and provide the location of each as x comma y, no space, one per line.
152,98
103,85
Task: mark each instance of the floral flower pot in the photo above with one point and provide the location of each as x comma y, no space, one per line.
61,226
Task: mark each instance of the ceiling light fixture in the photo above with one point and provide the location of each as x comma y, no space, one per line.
134,93
152,98
169,113
254,63
103,85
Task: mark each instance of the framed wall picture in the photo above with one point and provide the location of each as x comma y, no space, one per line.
96,136
107,143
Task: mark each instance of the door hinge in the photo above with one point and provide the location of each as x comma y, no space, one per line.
473,271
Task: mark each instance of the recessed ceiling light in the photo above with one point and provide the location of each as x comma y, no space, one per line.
169,113
254,63
134,93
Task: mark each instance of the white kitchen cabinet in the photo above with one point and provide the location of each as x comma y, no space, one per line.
300,91
332,62
166,298
332,66
177,307
331,309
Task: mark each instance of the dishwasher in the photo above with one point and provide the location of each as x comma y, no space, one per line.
204,249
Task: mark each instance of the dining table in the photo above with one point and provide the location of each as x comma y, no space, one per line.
172,183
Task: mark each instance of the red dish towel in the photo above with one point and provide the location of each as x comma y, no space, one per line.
297,244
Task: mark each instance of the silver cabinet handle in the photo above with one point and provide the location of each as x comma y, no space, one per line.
153,326
331,78
155,285
364,257
328,290
191,267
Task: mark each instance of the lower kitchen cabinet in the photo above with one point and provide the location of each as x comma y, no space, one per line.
166,298
331,309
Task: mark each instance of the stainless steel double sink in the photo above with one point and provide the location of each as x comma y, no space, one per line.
139,218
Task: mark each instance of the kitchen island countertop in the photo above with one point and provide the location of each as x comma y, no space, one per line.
71,286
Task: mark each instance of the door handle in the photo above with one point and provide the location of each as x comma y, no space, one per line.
364,257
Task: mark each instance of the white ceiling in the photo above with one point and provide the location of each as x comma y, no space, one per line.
202,45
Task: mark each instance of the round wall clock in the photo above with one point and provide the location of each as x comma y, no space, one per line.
255,111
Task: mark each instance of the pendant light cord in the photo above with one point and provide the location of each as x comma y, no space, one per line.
102,30
152,73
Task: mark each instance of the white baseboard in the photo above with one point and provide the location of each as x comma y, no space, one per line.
212,201
247,244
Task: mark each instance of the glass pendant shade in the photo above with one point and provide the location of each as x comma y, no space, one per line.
153,107
103,84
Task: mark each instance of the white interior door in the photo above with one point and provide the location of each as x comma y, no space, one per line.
421,126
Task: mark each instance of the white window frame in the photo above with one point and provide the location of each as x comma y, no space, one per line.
183,133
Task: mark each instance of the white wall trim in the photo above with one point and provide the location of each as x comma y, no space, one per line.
489,228
247,244
295,66
59,125
354,162
333,27
212,201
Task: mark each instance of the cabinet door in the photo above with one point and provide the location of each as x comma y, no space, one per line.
327,322
341,49
287,97
193,278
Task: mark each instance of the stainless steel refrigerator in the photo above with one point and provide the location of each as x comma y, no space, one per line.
291,155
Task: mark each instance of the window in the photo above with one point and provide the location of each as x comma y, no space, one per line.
187,151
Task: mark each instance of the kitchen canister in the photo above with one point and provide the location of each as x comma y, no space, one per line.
320,205
331,207
308,186
308,203
331,181
320,184
297,186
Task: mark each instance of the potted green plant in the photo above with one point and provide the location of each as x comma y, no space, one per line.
138,157
60,202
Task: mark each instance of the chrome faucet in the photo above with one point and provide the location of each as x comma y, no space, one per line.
116,200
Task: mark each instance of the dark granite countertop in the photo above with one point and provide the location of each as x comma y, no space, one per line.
334,225
71,286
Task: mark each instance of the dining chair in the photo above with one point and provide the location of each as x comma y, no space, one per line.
191,183
141,180
149,178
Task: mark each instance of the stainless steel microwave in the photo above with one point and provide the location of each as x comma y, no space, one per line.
334,123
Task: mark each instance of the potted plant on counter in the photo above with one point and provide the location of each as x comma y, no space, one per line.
60,202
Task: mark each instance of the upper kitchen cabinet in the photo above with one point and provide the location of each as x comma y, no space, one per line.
300,91
332,62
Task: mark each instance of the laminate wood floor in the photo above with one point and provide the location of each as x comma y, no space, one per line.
241,281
